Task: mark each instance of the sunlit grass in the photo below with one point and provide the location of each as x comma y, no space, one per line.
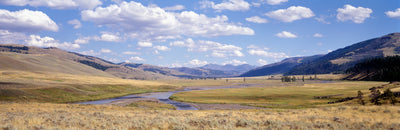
75,116
278,97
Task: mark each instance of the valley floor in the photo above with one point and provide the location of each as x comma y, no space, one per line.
28,101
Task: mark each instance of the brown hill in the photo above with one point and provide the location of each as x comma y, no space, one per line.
26,58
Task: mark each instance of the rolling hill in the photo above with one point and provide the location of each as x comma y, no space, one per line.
339,60
26,58
279,67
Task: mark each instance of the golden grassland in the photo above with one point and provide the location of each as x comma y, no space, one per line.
295,96
76,116
61,88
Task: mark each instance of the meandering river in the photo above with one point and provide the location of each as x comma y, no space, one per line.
164,96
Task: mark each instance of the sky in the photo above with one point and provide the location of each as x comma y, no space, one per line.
192,33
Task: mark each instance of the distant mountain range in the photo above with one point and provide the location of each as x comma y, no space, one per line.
337,61
209,70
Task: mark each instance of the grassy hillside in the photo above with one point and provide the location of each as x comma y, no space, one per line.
25,86
46,63
94,62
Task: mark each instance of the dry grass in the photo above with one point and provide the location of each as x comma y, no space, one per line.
74,116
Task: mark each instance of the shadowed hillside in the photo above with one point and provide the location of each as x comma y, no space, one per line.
340,60
378,69
279,67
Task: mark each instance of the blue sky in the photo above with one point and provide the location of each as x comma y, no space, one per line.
191,33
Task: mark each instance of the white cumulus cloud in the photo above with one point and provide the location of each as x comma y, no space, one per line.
216,49
291,14
286,34
393,14
175,8
7,37
55,4
235,62
136,59
196,62
162,48
145,44
77,24
81,41
131,53
105,50
258,51
262,62
276,2
153,23
267,54
318,35
35,40
108,37
233,5
26,21
357,15
256,19
195,24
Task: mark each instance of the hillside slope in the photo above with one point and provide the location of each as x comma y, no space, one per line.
339,60
74,58
279,67
46,63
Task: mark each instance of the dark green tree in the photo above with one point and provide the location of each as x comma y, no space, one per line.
360,97
375,95
388,95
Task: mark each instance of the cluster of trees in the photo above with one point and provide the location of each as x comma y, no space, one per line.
288,79
378,69
376,97
293,78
